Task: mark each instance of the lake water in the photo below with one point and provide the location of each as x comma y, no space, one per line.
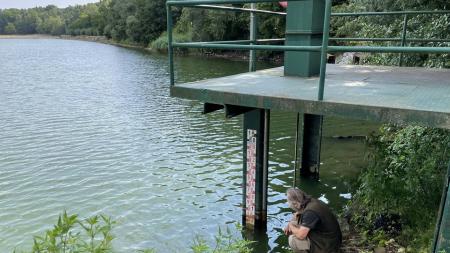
90,128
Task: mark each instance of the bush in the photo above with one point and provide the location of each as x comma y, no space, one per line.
405,177
161,44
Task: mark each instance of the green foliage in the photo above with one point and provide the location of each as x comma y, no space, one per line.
212,25
225,242
10,28
135,21
405,175
92,235
419,26
161,44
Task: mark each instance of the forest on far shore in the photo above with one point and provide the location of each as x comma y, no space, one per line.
143,22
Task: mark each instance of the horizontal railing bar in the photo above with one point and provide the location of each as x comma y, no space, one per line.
427,40
343,14
230,8
366,39
425,50
248,47
203,2
271,40
333,49
225,42
390,39
239,41
206,4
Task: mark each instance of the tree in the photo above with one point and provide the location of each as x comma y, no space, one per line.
10,28
53,25
2,22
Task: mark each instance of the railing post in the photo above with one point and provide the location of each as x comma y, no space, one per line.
405,25
169,43
325,41
442,233
253,31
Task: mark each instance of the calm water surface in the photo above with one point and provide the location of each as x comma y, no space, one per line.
90,128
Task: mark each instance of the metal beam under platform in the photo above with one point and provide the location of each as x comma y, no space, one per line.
385,94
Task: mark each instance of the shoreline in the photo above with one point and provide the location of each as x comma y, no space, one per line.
102,39
98,39
26,36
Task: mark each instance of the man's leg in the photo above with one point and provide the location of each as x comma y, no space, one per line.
299,246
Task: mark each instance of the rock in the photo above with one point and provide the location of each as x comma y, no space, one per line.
401,250
379,250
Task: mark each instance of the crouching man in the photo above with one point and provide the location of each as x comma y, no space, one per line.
313,228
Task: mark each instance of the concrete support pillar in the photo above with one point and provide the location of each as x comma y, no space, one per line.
256,150
311,146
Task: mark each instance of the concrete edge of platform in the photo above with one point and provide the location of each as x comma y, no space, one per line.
326,108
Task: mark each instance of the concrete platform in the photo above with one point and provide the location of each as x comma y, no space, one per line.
378,93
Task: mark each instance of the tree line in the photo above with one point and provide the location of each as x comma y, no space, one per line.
144,21
137,21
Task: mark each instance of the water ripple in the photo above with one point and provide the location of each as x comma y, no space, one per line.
90,128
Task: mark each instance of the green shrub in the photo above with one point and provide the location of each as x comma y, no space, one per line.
405,177
161,43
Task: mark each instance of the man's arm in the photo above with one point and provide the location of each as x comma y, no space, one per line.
299,232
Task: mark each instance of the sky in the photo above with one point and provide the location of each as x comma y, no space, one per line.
33,3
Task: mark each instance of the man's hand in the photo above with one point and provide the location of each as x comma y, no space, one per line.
287,229
299,232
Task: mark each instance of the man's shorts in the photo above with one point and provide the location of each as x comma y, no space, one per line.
299,246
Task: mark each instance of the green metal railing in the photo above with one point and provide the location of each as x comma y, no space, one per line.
252,44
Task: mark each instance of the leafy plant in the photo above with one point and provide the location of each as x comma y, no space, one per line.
92,235
225,242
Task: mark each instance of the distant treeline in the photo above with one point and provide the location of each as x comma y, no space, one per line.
133,21
138,21
144,21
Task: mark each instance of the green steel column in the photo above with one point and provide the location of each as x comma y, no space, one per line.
304,27
442,235
256,150
405,26
324,53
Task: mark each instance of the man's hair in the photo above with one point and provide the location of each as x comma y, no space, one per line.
295,194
